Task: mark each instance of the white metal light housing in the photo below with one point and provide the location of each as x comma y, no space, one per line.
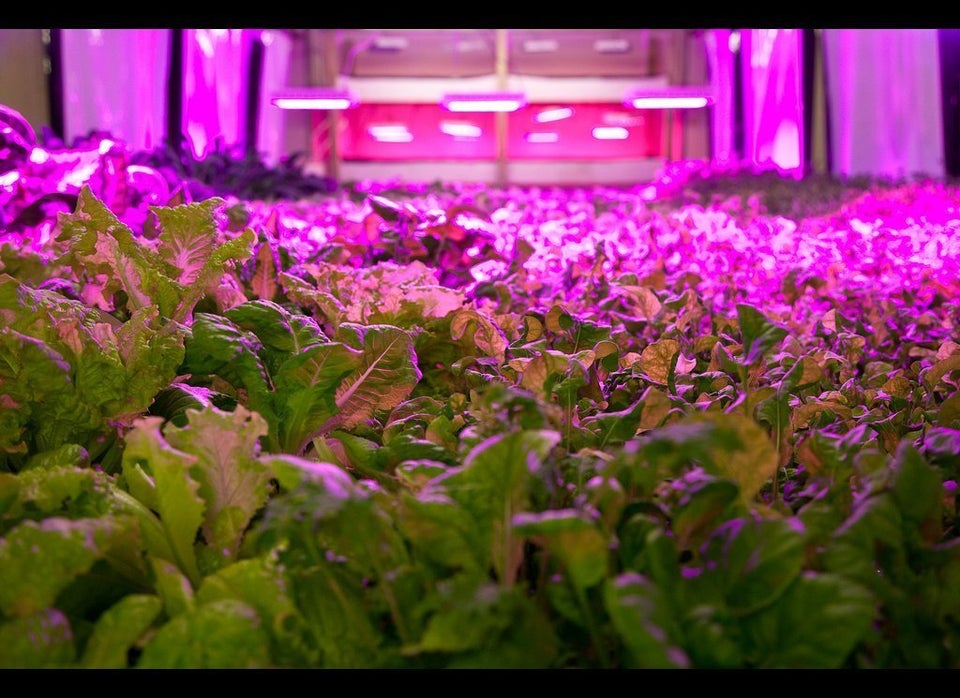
675,97
484,102
314,98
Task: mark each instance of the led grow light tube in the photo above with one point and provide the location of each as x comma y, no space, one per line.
542,137
679,97
390,133
484,102
553,114
314,98
460,130
610,133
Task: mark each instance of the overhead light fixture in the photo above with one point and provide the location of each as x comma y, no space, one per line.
541,137
611,45
470,45
622,118
390,43
390,133
459,129
553,114
314,98
540,45
678,97
610,133
484,102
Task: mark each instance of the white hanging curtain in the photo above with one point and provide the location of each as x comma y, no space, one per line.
883,89
773,99
115,80
277,47
720,57
215,70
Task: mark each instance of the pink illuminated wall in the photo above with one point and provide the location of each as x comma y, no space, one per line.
885,115
773,98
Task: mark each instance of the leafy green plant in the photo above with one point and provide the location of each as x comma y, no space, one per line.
676,438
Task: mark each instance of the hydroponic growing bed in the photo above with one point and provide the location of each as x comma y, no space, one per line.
710,421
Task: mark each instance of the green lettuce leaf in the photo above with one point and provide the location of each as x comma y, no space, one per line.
233,481
190,257
386,374
386,293
173,587
151,356
816,624
260,583
188,237
42,640
440,531
728,445
178,501
615,427
485,626
38,380
103,247
641,618
493,484
103,370
574,539
221,634
759,334
118,630
306,387
217,347
753,561
39,559
282,334
76,491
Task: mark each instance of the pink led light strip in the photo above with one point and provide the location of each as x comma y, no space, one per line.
484,102
679,97
314,98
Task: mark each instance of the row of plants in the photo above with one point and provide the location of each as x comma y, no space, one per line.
453,426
